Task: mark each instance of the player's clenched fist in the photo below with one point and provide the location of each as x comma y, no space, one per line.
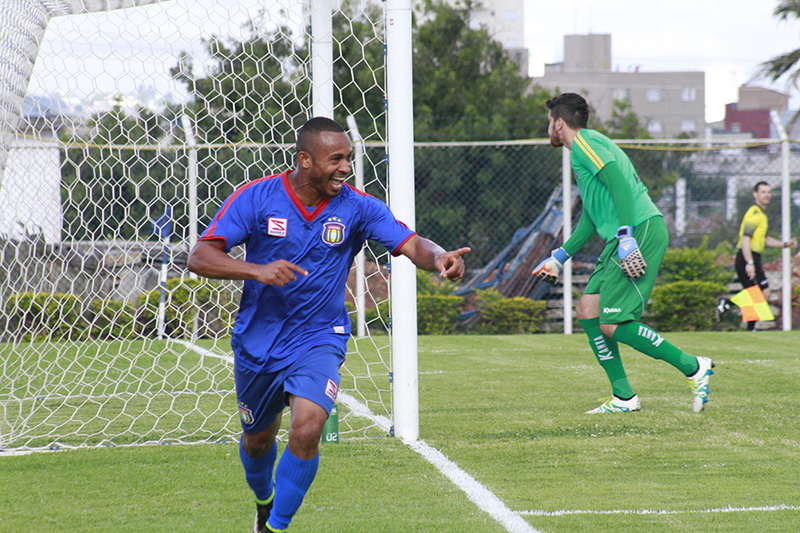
549,269
280,272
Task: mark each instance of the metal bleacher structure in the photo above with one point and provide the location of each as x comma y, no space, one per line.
509,272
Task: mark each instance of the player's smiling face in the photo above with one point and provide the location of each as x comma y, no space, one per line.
329,164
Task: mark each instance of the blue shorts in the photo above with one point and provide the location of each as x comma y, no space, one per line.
263,396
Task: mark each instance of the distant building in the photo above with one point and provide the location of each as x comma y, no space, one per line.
30,187
505,22
751,113
671,103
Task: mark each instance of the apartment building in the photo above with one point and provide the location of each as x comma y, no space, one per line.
671,103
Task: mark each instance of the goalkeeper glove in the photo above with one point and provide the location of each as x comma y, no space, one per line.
630,257
549,269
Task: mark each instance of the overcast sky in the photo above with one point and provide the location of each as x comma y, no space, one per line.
727,39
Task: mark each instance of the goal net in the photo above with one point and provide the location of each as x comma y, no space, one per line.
123,126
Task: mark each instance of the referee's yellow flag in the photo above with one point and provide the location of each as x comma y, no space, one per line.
753,305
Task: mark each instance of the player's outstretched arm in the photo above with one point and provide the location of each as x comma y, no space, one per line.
428,255
208,259
775,243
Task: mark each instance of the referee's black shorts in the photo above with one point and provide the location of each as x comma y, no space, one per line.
760,278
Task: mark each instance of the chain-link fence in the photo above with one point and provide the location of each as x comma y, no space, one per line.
99,246
467,194
480,195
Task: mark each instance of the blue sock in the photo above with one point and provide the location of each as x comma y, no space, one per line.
258,472
293,477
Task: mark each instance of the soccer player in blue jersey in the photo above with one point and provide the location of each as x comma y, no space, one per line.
301,230
616,206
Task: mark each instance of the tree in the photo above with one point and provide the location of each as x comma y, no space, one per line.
254,92
624,123
658,170
466,88
358,67
788,63
254,88
118,182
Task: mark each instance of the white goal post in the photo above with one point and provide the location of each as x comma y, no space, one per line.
95,152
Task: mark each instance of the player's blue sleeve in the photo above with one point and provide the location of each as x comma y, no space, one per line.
382,226
235,220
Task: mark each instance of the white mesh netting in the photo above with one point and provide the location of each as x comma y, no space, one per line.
113,114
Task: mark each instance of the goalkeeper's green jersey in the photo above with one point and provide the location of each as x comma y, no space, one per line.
591,151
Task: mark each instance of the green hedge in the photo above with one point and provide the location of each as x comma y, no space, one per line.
45,317
501,315
214,307
109,319
57,316
51,317
697,264
437,314
438,311
692,279
686,305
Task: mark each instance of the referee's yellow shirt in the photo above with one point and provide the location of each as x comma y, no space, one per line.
754,225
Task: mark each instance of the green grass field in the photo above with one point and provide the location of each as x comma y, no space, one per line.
508,410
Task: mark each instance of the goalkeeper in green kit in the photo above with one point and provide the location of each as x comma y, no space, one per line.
616,206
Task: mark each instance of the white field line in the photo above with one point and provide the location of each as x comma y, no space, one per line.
484,498
203,351
476,492
729,509
480,495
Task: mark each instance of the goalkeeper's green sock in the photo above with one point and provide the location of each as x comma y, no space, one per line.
643,339
606,350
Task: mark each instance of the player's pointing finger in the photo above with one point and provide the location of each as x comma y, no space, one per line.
297,268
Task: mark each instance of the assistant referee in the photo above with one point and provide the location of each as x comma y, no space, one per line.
753,239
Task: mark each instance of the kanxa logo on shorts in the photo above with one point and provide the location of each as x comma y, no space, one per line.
333,232
245,414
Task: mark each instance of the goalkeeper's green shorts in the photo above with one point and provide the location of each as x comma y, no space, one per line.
622,298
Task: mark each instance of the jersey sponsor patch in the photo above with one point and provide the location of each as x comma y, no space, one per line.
333,232
276,227
245,414
611,310
331,389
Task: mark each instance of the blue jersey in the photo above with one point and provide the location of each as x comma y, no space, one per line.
278,324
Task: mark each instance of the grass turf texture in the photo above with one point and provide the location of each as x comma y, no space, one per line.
509,411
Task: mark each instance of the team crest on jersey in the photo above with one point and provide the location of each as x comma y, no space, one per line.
333,231
245,414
